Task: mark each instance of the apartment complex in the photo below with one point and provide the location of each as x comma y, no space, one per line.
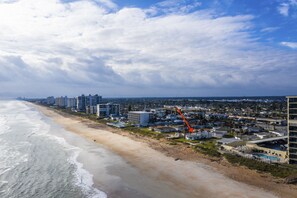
71,103
91,109
292,129
50,100
61,101
141,118
87,101
81,103
105,110
93,100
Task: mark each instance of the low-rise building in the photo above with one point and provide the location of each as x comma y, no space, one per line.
164,129
198,135
276,146
218,134
264,135
279,133
227,141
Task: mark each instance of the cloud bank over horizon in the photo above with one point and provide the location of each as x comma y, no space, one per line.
166,49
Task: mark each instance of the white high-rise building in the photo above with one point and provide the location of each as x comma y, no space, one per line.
61,102
71,102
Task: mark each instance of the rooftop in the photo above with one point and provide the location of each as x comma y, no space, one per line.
268,139
140,112
228,140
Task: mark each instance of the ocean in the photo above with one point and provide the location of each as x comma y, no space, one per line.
35,161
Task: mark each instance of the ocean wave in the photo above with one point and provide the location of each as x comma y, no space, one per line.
4,128
83,178
31,128
10,156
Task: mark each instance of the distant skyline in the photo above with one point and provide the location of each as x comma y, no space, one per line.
151,48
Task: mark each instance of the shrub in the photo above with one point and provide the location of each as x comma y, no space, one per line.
276,170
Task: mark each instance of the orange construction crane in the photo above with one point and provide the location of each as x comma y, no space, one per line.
191,130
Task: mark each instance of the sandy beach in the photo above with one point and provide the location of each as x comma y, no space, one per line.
163,176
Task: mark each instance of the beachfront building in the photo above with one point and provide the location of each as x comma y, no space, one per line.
198,135
81,103
87,101
292,128
93,100
106,110
91,109
141,118
71,103
61,101
50,100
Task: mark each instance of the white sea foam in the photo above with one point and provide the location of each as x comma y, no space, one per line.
83,178
10,155
4,128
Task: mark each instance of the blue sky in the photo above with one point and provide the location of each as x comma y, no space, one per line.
269,24
148,48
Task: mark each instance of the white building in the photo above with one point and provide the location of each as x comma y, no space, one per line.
141,118
218,132
71,102
198,135
106,110
91,109
61,101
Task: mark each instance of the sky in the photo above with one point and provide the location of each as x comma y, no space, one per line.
148,48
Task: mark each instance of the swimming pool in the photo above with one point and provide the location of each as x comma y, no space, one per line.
267,157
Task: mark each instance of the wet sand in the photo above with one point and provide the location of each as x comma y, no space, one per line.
152,173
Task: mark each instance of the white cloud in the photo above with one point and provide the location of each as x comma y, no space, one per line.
81,47
270,29
292,45
176,6
293,2
284,9
287,6
107,3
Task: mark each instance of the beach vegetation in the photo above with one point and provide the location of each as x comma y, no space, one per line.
143,132
276,170
208,148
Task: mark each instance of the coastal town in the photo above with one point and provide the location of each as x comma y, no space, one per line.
252,128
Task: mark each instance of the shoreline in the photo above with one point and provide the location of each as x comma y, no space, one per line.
154,158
